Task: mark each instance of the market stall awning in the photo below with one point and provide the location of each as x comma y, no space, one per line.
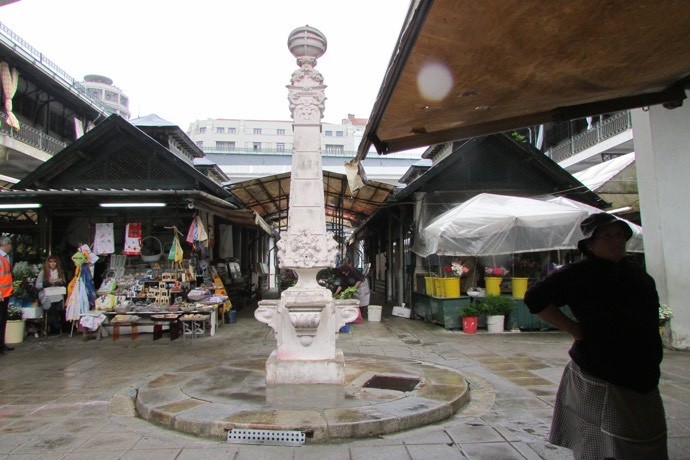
468,68
490,224
269,198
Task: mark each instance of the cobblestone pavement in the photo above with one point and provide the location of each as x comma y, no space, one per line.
65,398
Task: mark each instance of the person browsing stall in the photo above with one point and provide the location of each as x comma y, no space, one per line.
608,403
6,288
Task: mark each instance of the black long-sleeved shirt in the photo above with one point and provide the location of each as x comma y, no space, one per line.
617,306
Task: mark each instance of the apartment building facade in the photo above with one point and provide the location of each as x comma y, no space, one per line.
270,136
249,149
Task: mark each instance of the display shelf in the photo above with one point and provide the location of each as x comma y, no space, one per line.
521,318
441,310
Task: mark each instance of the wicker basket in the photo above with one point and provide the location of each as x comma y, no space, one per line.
154,257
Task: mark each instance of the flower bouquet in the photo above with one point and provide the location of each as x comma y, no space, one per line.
499,272
459,269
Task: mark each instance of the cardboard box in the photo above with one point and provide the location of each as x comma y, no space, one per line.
402,311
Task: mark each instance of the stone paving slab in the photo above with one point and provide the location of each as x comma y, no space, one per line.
62,398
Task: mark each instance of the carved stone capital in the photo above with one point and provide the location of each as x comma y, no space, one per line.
306,249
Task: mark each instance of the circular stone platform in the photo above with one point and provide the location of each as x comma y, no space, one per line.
381,395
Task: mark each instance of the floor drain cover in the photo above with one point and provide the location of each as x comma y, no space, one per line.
266,437
389,382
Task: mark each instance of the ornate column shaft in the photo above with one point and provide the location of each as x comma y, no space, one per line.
306,319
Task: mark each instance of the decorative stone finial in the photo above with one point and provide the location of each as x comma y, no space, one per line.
307,42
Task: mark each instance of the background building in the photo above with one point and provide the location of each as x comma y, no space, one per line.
100,87
250,149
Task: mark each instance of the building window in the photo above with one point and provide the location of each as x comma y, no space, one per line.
220,130
329,133
257,130
280,146
257,146
202,129
338,134
225,146
200,144
335,148
110,96
95,93
232,130
280,132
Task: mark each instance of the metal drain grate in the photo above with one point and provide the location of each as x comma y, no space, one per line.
266,437
390,382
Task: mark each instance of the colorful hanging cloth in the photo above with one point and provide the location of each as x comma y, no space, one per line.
196,235
132,239
10,80
81,293
176,253
104,240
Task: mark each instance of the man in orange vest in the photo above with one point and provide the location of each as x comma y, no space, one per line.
5,288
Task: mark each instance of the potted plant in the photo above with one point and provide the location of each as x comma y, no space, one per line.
496,307
14,329
470,315
493,278
24,292
524,267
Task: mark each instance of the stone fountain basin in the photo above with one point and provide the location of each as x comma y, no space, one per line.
381,395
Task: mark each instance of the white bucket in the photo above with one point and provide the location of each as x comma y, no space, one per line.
494,323
374,312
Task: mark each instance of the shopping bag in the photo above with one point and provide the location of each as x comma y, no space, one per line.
55,290
106,302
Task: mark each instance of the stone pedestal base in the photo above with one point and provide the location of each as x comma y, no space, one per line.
329,371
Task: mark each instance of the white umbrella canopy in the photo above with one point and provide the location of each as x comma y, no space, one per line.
491,224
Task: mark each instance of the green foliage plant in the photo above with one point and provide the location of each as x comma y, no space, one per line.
496,305
349,293
470,310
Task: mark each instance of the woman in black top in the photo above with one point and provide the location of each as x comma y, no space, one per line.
608,403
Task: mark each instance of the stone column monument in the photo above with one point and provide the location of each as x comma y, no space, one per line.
306,318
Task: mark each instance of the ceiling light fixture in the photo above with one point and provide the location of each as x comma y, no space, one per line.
20,206
133,205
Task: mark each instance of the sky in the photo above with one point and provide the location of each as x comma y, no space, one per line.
199,59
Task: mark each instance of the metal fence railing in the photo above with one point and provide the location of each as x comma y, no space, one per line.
32,136
21,46
616,124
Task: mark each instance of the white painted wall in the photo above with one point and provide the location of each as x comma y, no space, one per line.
662,145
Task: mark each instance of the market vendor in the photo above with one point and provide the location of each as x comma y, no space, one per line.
51,282
351,277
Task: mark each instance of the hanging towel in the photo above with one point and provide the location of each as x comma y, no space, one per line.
201,236
103,240
132,239
191,232
197,233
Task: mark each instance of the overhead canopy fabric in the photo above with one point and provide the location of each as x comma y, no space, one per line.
469,68
491,224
